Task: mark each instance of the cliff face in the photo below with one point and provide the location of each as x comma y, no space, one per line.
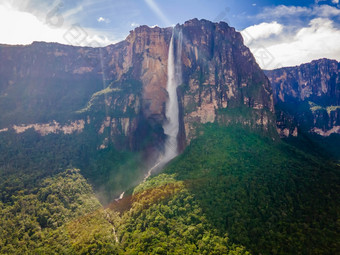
307,98
220,77
120,90
116,90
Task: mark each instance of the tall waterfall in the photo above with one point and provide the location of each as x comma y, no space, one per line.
171,126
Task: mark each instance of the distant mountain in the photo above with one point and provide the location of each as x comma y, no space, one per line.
307,98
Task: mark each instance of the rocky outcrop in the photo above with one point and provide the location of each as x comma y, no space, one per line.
220,77
307,98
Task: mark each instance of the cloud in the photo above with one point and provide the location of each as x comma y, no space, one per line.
281,11
320,39
24,28
291,35
263,30
133,24
20,27
326,11
101,19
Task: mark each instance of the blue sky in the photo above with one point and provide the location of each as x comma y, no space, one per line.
279,33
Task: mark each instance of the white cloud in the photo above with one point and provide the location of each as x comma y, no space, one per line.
263,30
320,39
335,1
23,28
298,35
133,24
326,11
19,27
280,11
101,19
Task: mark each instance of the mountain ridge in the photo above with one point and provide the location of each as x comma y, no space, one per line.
314,90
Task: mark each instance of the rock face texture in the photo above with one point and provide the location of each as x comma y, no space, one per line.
307,98
221,75
119,91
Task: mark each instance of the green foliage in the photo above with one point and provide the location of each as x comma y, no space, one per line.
92,234
248,118
40,100
332,108
166,219
232,191
269,196
314,107
96,95
158,180
118,92
28,157
35,219
112,171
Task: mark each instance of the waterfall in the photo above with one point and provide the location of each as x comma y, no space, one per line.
171,126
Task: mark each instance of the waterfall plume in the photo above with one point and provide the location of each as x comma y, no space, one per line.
171,125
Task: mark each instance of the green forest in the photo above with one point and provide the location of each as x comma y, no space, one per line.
232,191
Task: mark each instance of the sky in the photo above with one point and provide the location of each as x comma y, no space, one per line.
279,33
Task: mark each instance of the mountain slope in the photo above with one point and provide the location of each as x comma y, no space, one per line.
43,219
232,191
267,196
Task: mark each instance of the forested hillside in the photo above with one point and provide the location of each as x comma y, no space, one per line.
232,191
47,218
266,195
